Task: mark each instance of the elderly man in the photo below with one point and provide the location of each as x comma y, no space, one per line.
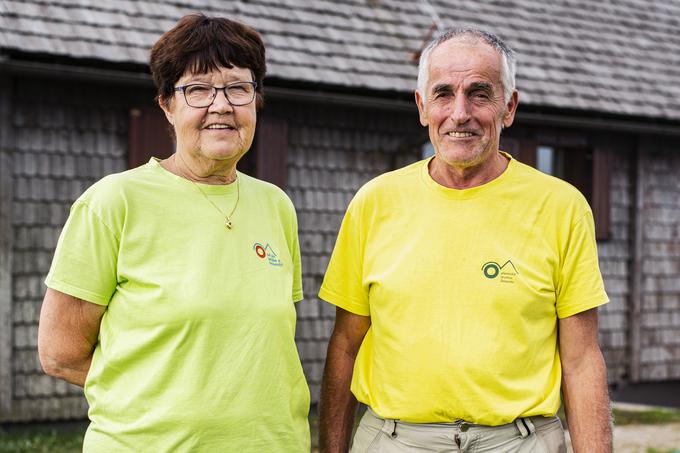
466,286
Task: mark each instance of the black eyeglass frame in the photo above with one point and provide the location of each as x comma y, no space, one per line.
183,89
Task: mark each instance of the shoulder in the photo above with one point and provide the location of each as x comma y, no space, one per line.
110,198
389,183
112,187
267,193
549,190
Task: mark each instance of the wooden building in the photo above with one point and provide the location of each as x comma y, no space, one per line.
599,105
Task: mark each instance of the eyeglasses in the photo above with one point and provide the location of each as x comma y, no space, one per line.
201,95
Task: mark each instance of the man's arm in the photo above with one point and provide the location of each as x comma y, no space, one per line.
67,335
584,384
338,405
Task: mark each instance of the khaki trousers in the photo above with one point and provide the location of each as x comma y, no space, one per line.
525,435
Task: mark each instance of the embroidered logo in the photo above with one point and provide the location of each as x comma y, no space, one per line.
266,251
507,271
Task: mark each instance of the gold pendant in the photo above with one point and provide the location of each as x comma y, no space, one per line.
228,224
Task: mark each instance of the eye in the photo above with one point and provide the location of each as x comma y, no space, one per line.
243,87
198,90
441,94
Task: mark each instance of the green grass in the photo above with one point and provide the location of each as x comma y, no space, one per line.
646,417
656,450
41,441
639,417
314,428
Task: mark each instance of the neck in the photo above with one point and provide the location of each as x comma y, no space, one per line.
467,177
198,172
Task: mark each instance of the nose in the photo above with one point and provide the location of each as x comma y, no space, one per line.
460,110
221,104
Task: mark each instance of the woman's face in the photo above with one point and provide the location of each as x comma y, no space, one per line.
219,134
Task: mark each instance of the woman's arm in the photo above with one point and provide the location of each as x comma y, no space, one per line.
67,335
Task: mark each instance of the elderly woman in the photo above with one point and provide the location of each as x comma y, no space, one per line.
171,294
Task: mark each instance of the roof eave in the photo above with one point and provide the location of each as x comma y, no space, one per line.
376,100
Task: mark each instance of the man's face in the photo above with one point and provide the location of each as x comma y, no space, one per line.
464,107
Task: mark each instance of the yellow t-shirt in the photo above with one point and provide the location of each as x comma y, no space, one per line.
196,347
464,289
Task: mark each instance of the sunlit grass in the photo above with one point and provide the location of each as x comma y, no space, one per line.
656,450
41,441
646,417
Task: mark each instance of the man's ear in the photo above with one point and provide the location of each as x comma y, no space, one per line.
167,109
420,102
511,109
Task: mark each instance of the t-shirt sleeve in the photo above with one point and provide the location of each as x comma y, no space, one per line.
85,260
580,286
343,283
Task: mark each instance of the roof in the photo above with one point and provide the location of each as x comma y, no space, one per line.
618,56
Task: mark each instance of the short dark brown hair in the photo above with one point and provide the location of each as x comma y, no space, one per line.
201,44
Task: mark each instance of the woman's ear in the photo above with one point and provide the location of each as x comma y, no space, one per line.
167,108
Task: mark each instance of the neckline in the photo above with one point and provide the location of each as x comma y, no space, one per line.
472,192
208,189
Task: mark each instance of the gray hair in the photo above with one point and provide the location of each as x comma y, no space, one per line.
508,59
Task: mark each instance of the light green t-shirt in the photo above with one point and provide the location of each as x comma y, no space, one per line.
464,289
196,348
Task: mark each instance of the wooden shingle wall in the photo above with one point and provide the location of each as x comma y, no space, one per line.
66,137
332,152
614,257
659,323
6,170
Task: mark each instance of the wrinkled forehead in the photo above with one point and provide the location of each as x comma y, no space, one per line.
464,58
229,73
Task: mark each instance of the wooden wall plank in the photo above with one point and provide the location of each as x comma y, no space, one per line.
6,193
148,135
272,150
600,197
527,152
635,276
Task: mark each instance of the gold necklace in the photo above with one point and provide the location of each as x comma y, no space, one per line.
227,218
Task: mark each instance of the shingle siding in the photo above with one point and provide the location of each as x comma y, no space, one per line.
6,261
66,137
332,152
660,330
614,265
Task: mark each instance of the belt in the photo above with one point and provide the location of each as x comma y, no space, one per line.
526,426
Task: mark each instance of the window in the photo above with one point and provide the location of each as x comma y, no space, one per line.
574,165
588,168
426,150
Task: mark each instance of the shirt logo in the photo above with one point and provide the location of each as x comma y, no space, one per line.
507,271
267,252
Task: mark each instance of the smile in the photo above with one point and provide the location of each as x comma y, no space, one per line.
220,126
459,134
